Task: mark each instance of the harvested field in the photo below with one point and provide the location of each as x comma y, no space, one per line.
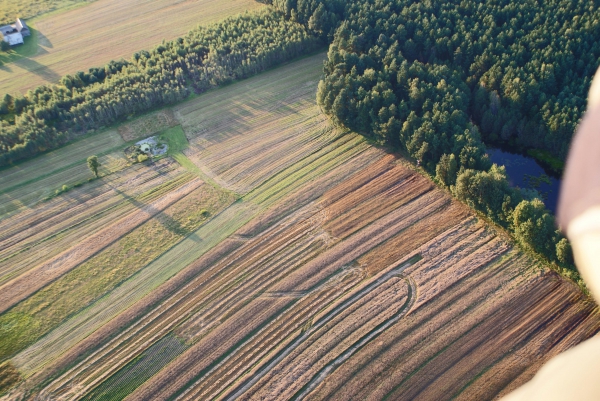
242,143
27,183
324,269
106,30
60,222
91,279
26,284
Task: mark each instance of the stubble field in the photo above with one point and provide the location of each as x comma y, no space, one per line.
272,257
105,30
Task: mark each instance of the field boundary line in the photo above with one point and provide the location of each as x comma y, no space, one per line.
130,291
190,166
32,281
140,198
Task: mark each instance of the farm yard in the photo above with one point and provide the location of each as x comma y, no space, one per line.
105,30
267,255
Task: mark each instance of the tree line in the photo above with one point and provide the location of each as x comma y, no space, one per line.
435,79
237,47
527,65
438,79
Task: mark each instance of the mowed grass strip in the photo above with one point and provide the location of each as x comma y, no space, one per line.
46,309
42,233
139,370
135,288
106,30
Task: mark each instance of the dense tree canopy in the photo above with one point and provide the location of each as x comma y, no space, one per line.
438,79
519,70
237,47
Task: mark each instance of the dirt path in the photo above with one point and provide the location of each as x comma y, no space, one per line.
326,371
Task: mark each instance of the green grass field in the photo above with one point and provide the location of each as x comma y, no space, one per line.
27,49
175,138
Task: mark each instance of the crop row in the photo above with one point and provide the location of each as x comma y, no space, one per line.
187,367
226,306
133,259
79,215
211,292
37,278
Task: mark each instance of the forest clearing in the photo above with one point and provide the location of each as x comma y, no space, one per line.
105,30
268,255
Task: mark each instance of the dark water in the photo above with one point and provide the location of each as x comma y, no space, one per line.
524,172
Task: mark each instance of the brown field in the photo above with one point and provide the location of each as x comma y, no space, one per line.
326,269
106,30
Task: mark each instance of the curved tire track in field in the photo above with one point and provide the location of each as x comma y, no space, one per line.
329,368
395,272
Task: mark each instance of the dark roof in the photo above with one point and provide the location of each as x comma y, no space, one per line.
7,29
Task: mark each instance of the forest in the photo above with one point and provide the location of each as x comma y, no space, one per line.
434,80
439,80
237,47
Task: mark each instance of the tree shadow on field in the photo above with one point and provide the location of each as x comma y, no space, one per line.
165,220
44,41
38,69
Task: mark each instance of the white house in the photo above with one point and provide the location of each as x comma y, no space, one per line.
13,34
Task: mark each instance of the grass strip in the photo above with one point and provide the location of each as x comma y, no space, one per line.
43,311
136,372
172,260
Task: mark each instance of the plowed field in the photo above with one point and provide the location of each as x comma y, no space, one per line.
276,257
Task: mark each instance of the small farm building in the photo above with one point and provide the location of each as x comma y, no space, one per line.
13,34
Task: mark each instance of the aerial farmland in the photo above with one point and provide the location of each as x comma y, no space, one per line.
268,254
97,32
